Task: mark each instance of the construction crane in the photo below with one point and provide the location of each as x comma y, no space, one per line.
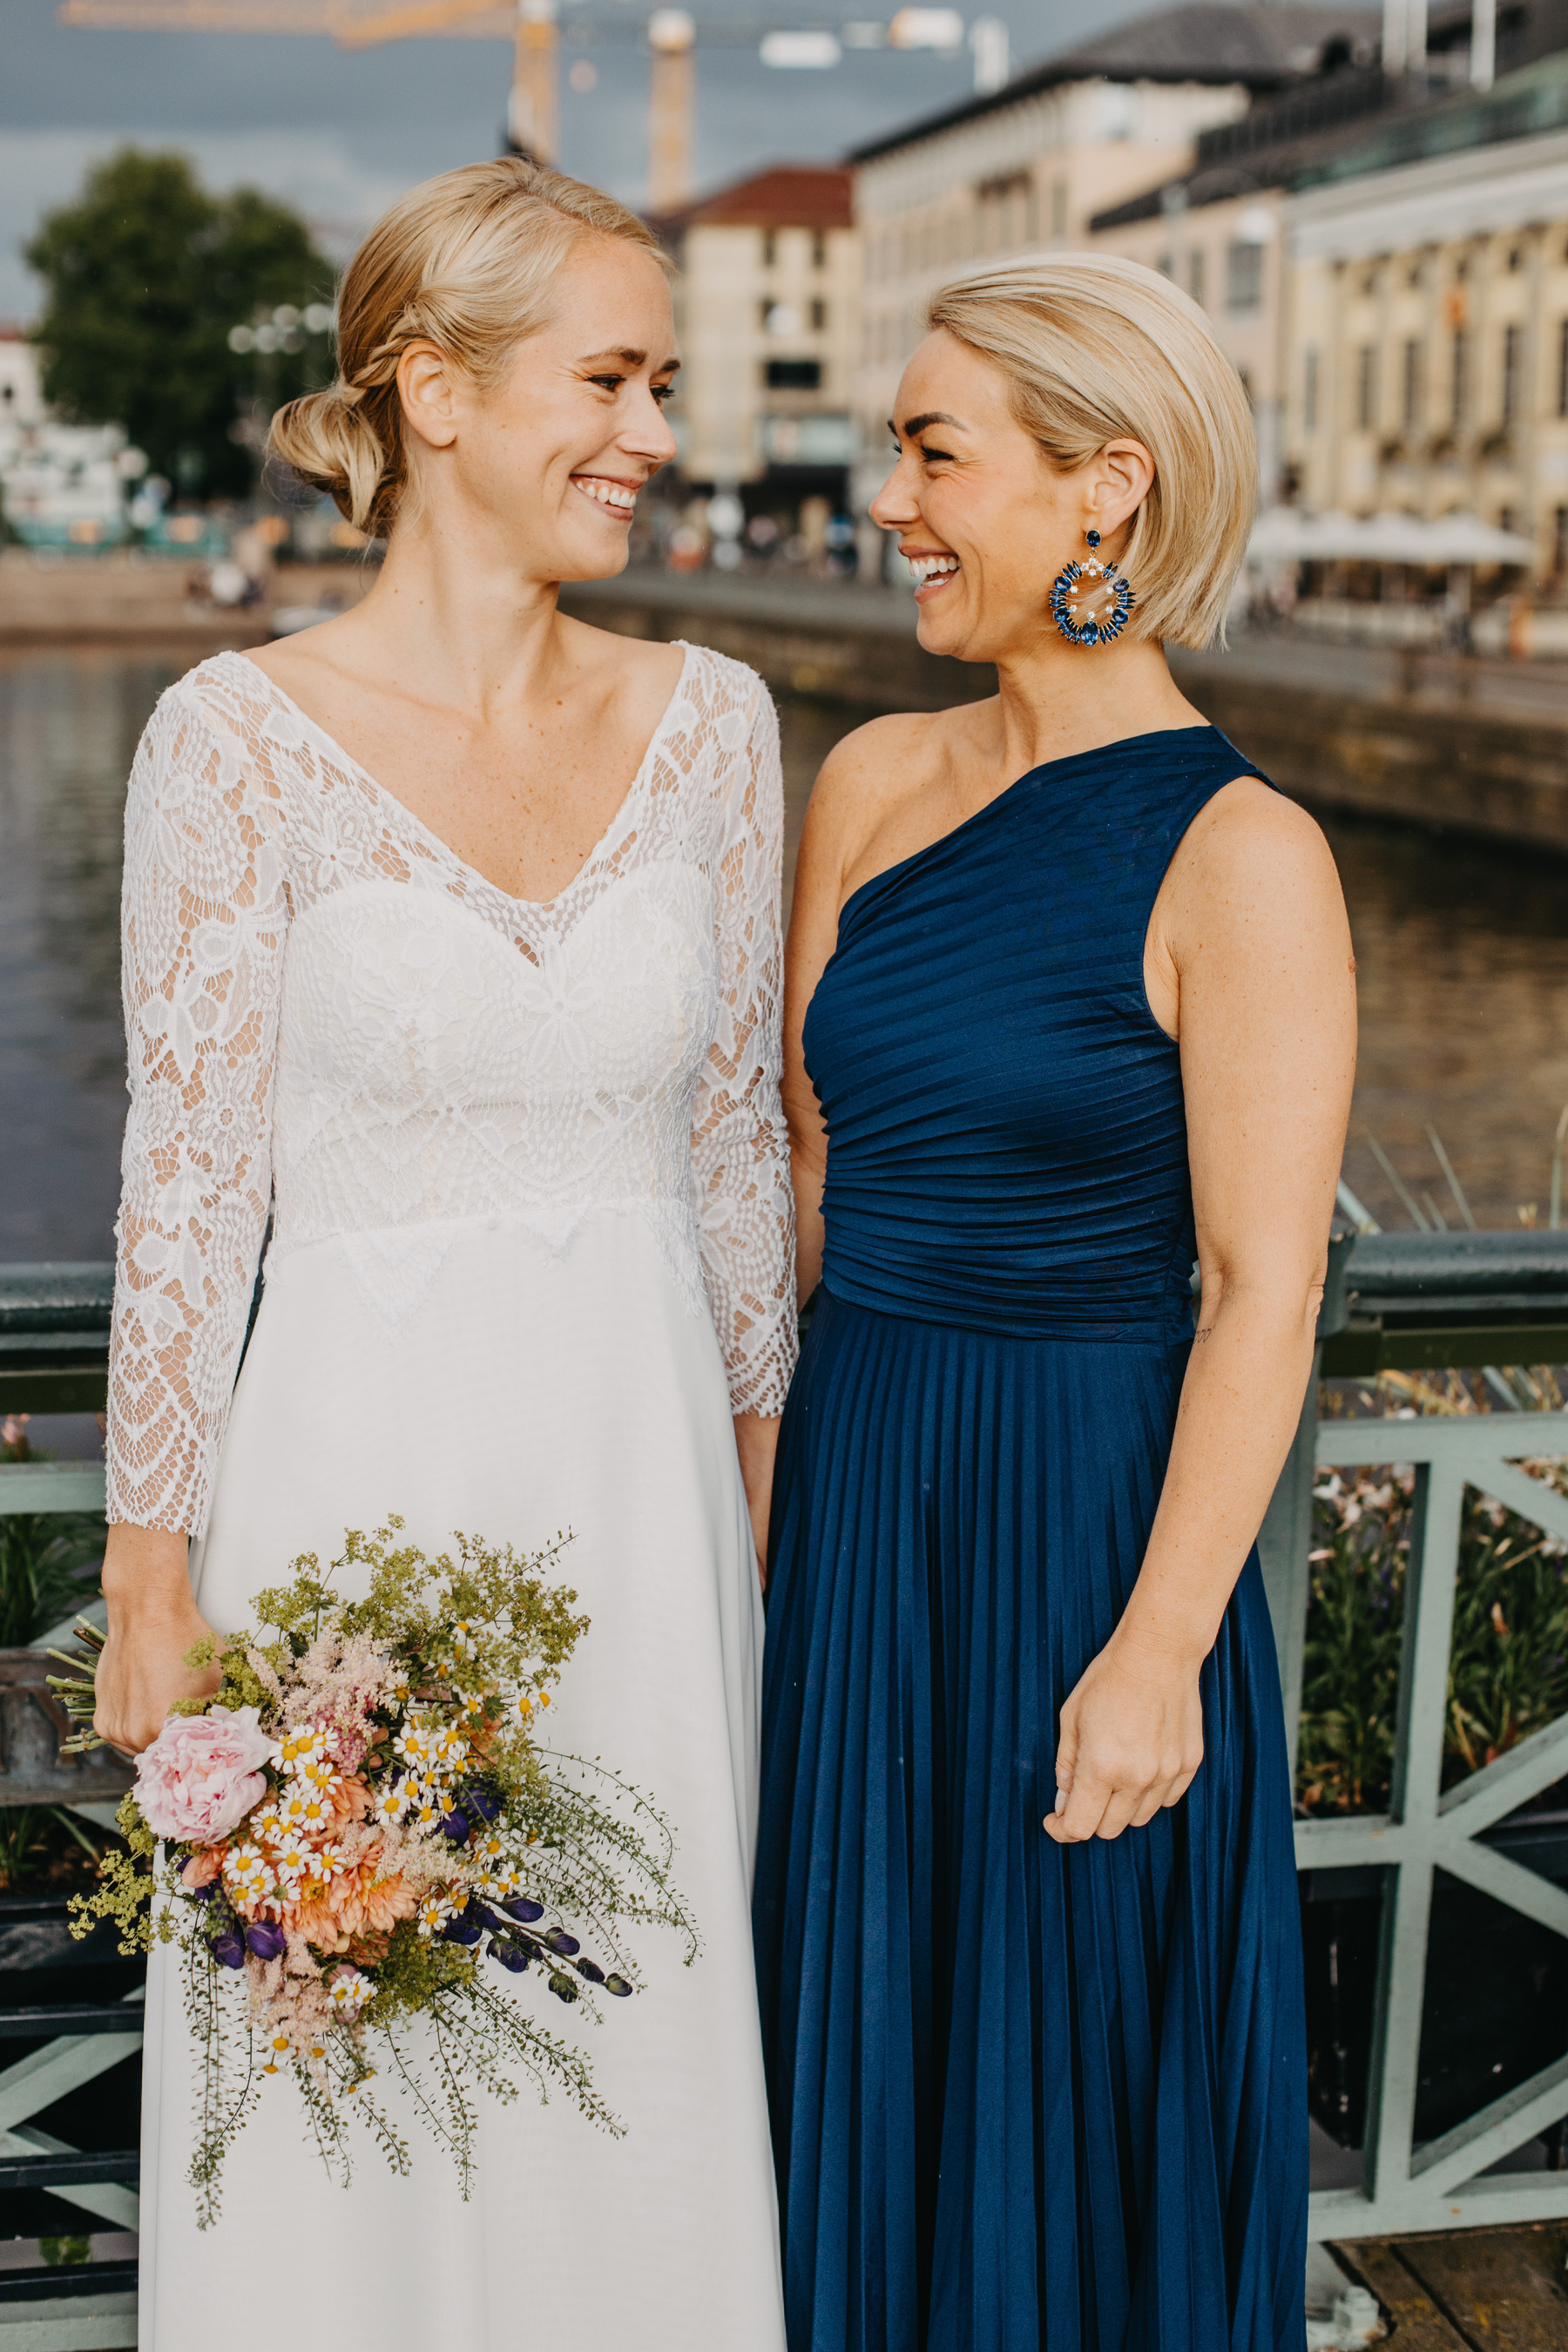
533,29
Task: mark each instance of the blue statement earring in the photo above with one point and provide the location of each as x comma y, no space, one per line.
1075,594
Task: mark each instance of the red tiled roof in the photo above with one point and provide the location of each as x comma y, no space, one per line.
786,196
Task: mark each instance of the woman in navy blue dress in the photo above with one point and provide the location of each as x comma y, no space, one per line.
1072,1008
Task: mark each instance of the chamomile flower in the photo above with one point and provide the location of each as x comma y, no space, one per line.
433,1914
391,1803
349,1992
245,1871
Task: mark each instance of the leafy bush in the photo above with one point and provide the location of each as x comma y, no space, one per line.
1508,1672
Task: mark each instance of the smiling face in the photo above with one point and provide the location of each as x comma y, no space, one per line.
984,517
552,456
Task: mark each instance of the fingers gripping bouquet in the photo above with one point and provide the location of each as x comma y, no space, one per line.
362,1818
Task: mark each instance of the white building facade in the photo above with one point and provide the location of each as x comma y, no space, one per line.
1427,341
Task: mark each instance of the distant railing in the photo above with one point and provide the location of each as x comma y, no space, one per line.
1394,1302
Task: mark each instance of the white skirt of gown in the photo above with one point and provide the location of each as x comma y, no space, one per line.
530,1391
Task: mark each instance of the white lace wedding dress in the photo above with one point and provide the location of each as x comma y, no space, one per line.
530,1248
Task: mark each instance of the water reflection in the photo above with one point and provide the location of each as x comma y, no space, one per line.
1462,948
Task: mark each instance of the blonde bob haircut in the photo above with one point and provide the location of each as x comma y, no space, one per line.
468,262
1098,349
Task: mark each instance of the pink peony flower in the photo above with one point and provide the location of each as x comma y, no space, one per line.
202,1774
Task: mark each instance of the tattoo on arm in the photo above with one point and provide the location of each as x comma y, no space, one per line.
1207,1333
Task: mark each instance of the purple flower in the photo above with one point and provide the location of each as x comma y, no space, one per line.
228,1949
266,1941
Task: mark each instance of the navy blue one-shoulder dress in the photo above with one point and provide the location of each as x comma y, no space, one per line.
1026,2098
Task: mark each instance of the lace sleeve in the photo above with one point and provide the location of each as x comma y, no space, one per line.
203,920
745,1210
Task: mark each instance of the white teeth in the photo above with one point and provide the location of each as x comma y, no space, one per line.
931,567
608,494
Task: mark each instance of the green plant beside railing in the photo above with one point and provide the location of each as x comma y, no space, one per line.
1508,1674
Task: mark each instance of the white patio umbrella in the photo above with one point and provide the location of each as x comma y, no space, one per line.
1287,535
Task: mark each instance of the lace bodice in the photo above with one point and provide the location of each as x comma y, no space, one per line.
332,1019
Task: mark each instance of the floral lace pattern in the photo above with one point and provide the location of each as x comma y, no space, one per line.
333,1019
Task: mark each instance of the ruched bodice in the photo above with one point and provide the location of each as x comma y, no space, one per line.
1022,2096
1008,1142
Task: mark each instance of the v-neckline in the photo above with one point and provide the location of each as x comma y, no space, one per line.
533,906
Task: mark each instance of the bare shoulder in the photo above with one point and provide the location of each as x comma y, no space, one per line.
871,782
644,663
1250,842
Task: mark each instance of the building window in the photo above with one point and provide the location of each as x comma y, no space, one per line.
1005,211
1058,208
1459,378
1516,257
1310,391
819,249
764,311
1244,276
1195,275
794,375
770,249
1562,369
1411,403
1560,541
1507,519
1513,354
818,315
1366,387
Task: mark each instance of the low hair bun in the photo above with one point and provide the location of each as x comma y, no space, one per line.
330,442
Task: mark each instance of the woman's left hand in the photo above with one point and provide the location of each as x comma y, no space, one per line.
1131,1740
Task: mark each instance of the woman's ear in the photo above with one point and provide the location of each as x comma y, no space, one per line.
1123,476
428,394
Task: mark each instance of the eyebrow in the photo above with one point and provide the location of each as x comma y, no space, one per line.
915,424
632,358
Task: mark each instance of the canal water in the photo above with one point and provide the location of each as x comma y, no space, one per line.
1462,950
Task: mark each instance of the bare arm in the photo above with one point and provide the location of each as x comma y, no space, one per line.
1251,946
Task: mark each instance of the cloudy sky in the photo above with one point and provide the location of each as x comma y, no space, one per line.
340,134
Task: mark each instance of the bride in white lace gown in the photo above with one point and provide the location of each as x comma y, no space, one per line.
529,1260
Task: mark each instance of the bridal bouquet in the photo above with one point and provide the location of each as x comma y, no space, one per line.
357,1821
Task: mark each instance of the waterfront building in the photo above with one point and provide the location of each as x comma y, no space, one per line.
765,298
1218,229
61,485
1426,347
1032,164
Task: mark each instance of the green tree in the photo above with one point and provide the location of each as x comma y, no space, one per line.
147,275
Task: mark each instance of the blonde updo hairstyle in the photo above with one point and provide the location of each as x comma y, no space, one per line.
468,262
1098,349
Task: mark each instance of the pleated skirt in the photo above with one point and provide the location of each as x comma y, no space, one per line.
1022,2096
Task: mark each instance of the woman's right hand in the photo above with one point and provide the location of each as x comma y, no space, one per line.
153,1621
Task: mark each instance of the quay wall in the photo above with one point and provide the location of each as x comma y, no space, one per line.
1460,743
1442,742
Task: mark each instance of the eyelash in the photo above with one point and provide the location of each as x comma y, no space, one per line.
661,392
931,456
